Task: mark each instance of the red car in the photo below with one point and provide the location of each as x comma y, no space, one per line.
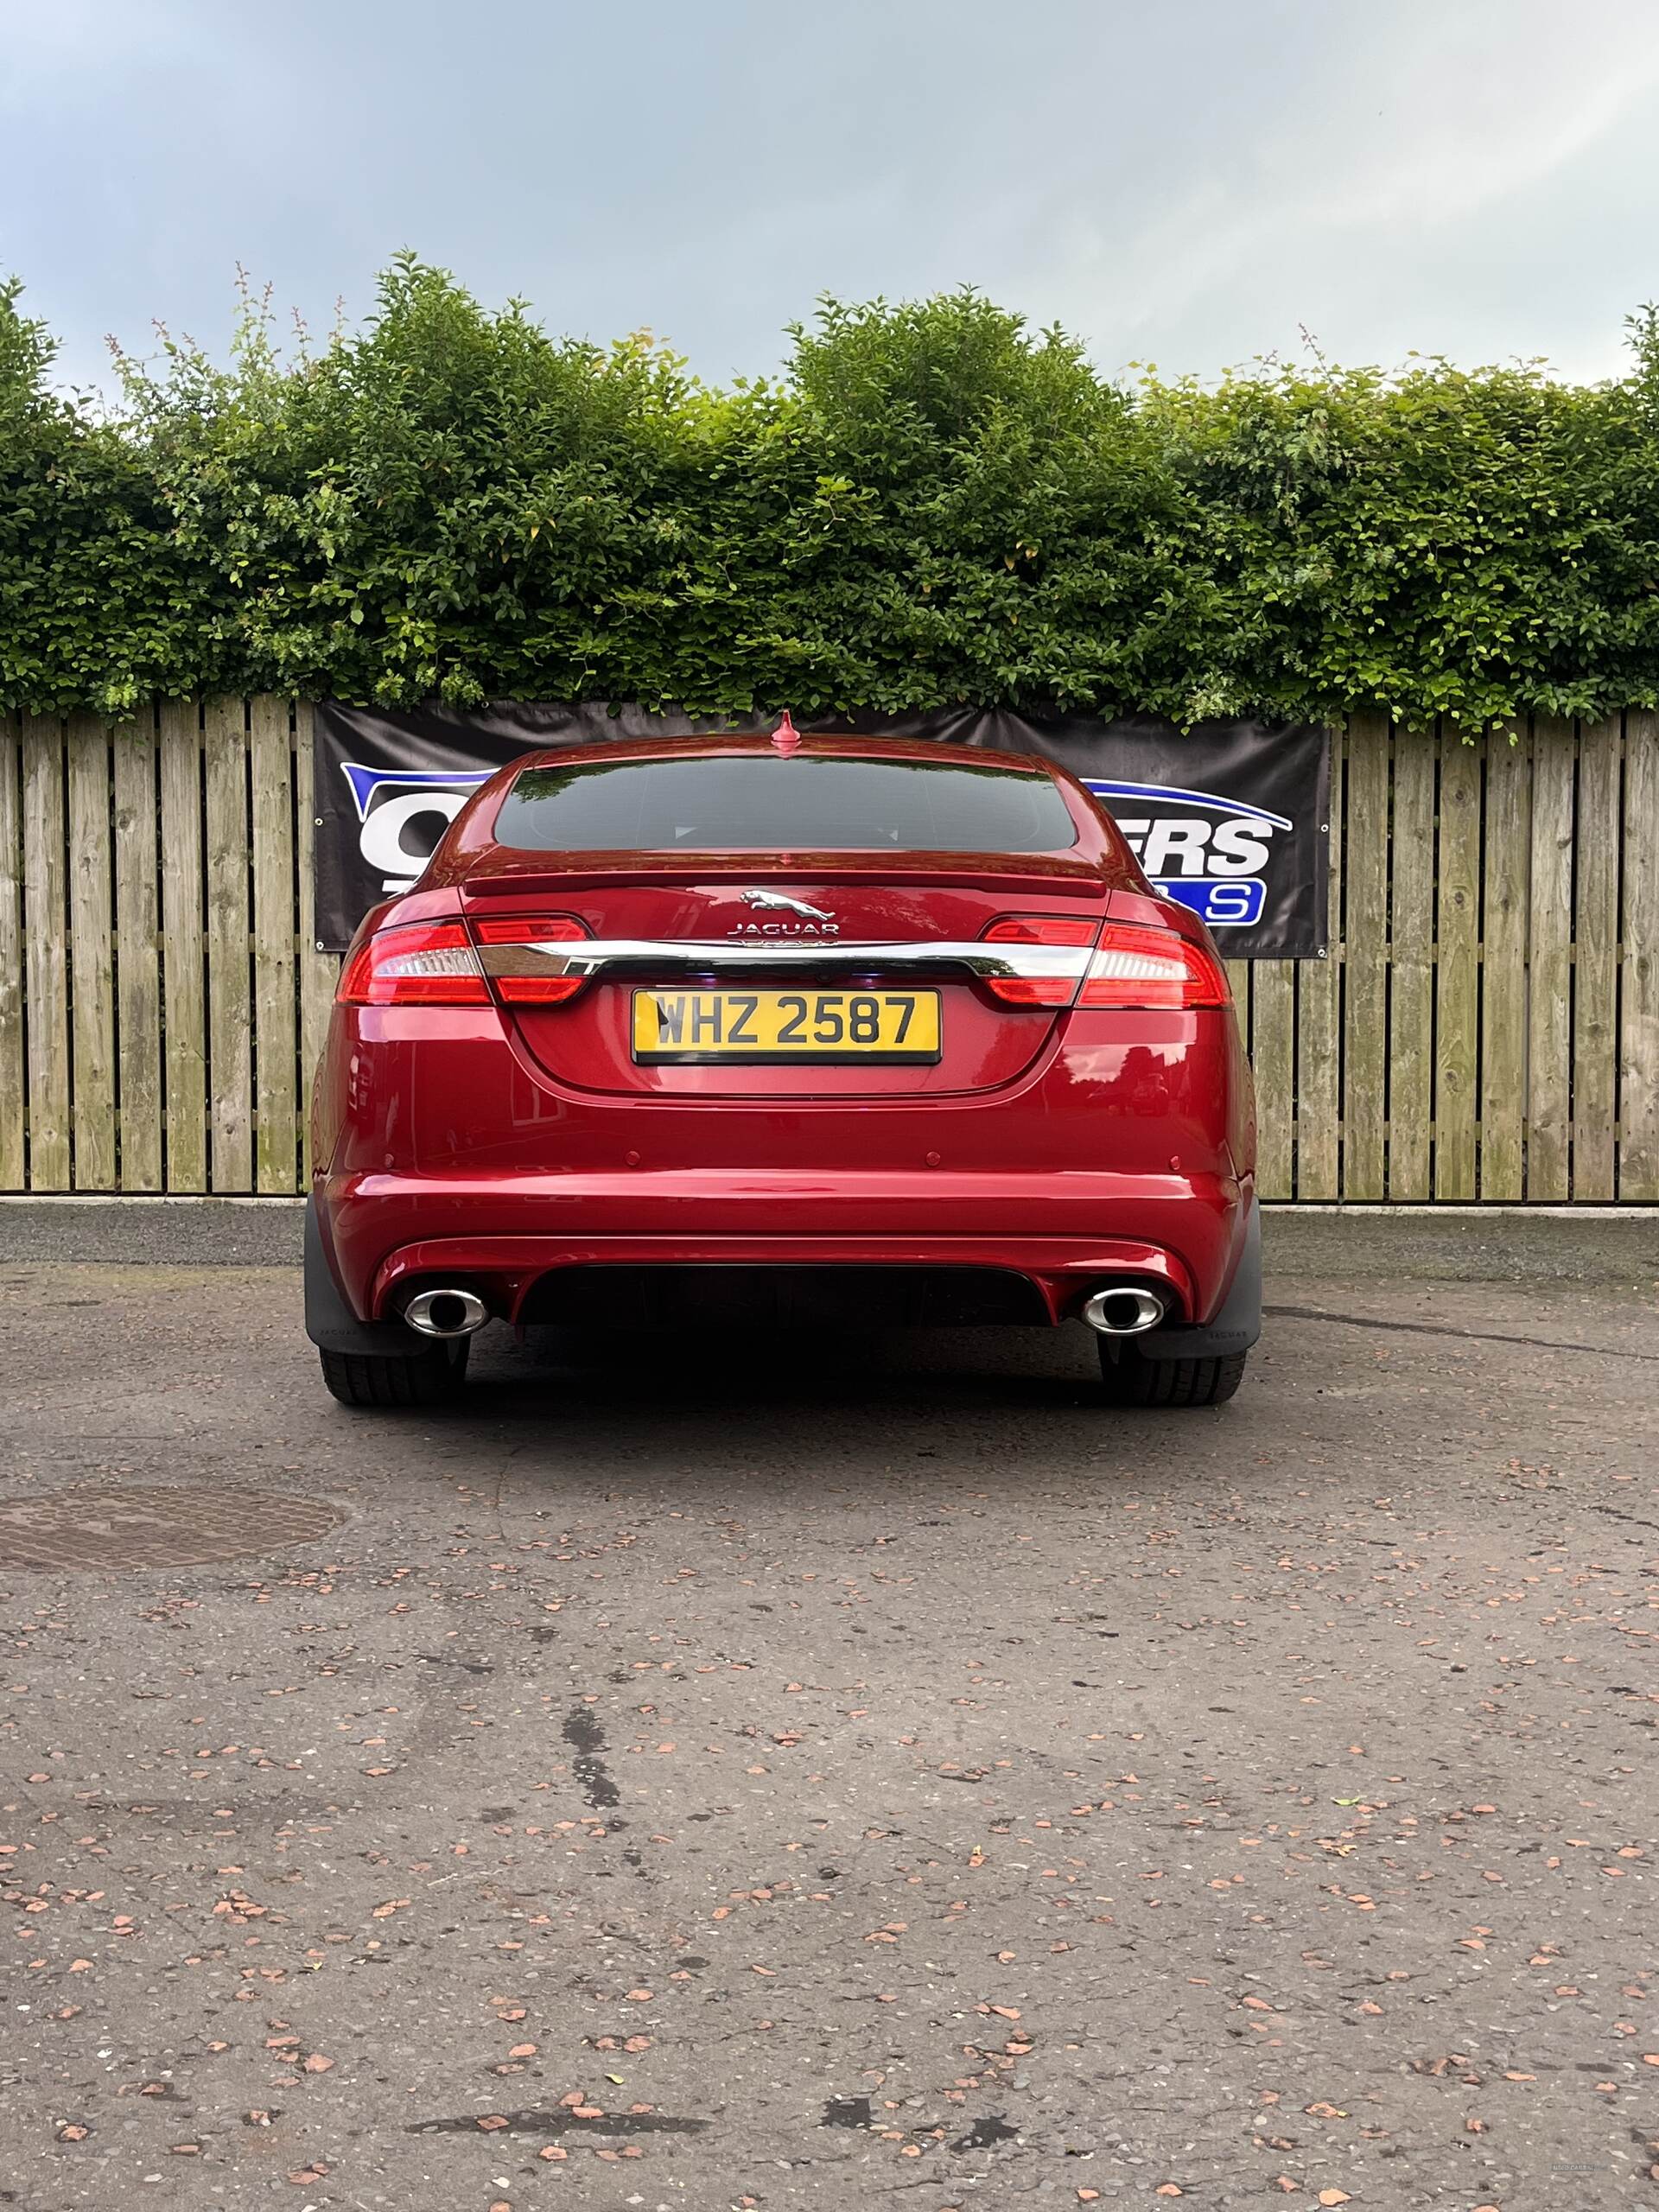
737,1031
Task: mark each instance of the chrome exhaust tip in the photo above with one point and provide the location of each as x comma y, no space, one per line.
446,1312
1123,1311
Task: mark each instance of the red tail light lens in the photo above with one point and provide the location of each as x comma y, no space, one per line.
522,974
1135,966
1126,966
1041,928
415,963
1058,989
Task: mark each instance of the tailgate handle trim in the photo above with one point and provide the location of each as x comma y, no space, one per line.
591,957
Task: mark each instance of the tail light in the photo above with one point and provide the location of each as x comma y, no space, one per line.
1058,989
1152,968
415,963
437,963
518,959
1128,966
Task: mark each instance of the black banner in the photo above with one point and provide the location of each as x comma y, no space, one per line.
1232,817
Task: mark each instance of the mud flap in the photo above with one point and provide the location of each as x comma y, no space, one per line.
1236,1326
330,1321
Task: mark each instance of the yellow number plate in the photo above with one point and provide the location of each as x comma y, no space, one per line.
779,1027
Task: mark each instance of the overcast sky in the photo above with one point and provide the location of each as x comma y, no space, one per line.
1185,181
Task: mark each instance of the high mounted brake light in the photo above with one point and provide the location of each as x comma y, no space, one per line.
1129,966
415,963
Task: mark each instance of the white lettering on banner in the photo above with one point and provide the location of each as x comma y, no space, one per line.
382,839
1172,839
1240,848
1236,847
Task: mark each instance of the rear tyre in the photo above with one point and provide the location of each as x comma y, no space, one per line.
431,1376
1129,1378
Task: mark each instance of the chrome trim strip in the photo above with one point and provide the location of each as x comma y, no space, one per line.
590,957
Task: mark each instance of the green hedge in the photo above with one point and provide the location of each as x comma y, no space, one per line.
932,504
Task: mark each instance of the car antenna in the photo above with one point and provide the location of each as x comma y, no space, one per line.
787,738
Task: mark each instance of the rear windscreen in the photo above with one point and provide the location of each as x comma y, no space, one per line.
771,803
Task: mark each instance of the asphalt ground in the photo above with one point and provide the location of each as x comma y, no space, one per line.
866,1773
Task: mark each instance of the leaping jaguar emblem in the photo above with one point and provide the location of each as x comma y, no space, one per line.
777,902
812,921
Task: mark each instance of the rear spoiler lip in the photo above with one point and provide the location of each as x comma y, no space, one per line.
1074,879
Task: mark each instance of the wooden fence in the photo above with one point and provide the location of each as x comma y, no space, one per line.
1485,1026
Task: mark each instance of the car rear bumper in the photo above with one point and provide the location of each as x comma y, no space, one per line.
1063,1231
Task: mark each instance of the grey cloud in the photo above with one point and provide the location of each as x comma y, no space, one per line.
1187,183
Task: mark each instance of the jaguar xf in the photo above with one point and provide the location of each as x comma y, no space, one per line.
748,1032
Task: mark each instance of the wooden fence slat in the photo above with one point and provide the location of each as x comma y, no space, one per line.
14,1076
1457,993
138,967
1319,1027
183,992
46,968
1549,970
1595,963
275,1042
1411,980
319,971
1273,1033
1638,1044
1507,872
230,1005
1365,973
92,955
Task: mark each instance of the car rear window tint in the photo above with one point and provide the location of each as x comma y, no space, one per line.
771,803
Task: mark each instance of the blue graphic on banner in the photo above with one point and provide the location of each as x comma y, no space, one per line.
1209,852
366,783
1225,903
